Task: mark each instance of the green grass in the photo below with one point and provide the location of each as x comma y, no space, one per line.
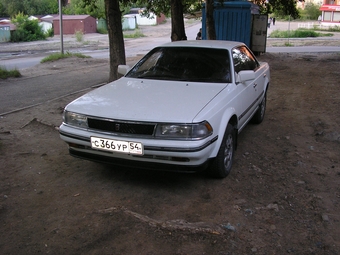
299,33
329,29
57,56
79,36
4,73
137,34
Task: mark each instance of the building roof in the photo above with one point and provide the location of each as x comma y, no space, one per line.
72,17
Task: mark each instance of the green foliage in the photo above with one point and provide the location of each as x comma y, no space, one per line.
102,31
57,56
79,36
311,12
329,29
162,7
27,30
4,73
49,32
95,8
280,8
28,7
299,33
137,34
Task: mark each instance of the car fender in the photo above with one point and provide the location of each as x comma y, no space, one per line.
227,116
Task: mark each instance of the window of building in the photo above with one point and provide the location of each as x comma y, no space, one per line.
336,16
327,16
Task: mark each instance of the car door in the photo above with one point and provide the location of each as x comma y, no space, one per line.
250,91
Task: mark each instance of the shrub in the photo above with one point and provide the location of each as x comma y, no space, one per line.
27,30
50,32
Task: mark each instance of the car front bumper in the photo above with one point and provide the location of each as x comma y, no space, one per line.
156,152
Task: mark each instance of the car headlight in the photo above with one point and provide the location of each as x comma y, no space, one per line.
184,131
75,119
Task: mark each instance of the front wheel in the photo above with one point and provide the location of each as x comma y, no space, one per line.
221,165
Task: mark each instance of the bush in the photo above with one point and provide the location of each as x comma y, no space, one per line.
311,11
27,30
50,32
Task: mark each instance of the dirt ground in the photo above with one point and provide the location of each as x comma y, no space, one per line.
283,195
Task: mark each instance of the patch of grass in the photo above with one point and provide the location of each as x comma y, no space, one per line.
79,36
299,33
4,73
102,31
287,44
57,56
329,29
137,34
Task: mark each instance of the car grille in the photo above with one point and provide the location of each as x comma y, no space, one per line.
121,127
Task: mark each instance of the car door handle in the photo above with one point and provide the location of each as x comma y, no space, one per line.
255,85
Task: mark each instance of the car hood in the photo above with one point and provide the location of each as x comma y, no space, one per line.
147,100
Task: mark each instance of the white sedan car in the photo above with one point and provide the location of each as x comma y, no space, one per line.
180,107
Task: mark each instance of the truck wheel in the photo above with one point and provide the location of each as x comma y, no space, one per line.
259,115
221,165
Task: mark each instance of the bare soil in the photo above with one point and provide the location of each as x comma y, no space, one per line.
283,194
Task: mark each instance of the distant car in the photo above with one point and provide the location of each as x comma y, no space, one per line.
180,107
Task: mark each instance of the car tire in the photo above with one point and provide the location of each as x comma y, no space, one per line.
222,164
259,114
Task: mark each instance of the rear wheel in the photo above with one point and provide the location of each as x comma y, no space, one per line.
221,165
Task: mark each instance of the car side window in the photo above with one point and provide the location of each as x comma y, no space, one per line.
244,59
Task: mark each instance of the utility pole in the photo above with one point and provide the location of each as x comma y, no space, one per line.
61,28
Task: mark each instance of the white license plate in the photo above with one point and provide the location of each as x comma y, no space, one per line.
116,146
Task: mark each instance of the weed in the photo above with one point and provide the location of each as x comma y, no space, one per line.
137,34
287,44
79,36
4,73
102,31
57,56
299,33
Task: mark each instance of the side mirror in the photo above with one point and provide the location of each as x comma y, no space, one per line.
123,69
243,76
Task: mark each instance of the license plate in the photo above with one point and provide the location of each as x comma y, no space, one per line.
116,146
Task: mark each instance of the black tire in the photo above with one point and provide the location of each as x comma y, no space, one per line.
221,165
259,115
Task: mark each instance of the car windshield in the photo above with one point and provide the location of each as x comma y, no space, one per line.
184,64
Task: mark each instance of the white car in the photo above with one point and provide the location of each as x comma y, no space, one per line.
180,107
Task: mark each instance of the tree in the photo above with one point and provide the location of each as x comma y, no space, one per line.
28,7
116,40
177,21
27,30
281,7
312,11
95,9
210,22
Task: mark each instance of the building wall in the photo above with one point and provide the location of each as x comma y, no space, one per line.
74,23
330,13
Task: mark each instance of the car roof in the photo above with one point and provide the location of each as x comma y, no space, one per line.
204,43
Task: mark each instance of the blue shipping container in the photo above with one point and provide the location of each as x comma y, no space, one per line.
232,21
